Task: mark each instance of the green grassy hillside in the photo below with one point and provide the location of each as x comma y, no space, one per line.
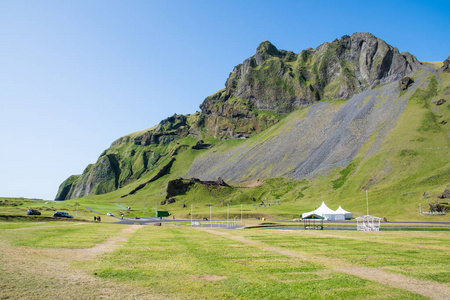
410,165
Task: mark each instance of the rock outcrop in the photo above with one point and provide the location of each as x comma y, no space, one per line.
98,178
201,145
439,102
404,83
445,194
181,186
438,207
66,188
167,131
446,66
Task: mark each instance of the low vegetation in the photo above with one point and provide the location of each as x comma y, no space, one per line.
66,260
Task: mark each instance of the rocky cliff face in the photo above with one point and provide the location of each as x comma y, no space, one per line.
446,66
127,159
257,94
282,81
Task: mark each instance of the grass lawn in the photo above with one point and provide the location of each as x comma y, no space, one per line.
66,260
422,255
56,234
188,263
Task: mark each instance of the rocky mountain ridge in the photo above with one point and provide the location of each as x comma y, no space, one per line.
258,93
282,81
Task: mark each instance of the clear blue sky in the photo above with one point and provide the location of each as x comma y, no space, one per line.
76,75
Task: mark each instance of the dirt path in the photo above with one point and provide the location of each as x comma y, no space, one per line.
110,244
425,288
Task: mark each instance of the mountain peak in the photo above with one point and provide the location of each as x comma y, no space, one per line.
267,47
282,81
265,51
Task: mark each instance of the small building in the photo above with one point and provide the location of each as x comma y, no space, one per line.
313,221
368,223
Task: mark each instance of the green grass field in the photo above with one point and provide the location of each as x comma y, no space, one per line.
67,260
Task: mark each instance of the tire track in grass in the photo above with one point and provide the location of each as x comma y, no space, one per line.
110,244
431,289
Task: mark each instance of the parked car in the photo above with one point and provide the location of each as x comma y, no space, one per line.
59,214
31,212
109,214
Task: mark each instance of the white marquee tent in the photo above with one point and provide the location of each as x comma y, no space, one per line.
347,215
329,214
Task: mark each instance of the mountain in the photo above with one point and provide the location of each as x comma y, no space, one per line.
324,115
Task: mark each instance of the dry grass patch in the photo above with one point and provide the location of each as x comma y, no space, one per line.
209,277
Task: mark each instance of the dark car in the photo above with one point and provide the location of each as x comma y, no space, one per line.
59,214
31,212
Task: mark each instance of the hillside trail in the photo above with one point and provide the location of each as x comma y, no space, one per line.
48,269
431,289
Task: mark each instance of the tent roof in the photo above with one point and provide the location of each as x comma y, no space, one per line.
324,209
313,216
342,211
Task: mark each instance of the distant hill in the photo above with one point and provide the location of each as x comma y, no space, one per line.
350,115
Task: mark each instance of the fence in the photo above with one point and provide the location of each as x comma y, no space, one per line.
224,224
433,213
